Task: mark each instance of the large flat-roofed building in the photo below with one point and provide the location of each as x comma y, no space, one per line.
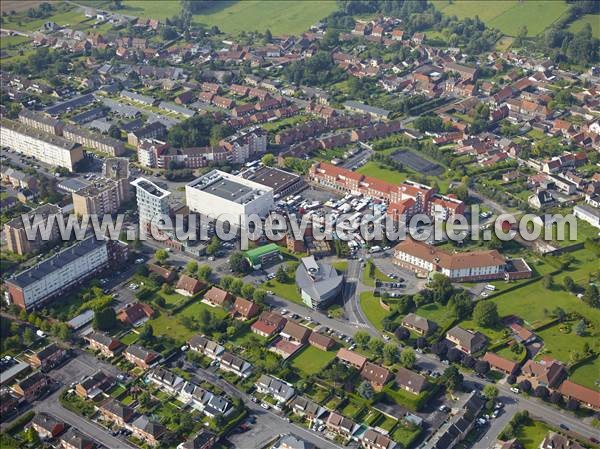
218,193
319,283
282,182
48,148
104,196
51,277
15,233
425,259
152,201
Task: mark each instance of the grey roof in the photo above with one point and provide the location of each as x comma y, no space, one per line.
56,261
73,103
88,116
100,337
317,282
419,322
140,352
366,108
147,425
138,97
38,215
101,125
81,320
293,442
72,184
275,386
168,106
39,117
467,339
40,135
199,441
106,140
272,177
587,210
226,189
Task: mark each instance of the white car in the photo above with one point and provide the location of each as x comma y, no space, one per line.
265,405
515,390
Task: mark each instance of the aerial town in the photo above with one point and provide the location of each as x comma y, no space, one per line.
192,198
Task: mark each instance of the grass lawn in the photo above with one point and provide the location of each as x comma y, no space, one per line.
287,290
588,374
509,355
172,300
372,310
8,41
312,360
592,19
65,15
341,266
495,335
280,17
171,325
378,275
435,312
129,338
531,435
352,409
377,170
559,344
405,435
507,15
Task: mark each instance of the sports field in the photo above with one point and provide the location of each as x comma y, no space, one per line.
507,15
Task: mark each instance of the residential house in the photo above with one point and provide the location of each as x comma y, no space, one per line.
351,358
165,380
555,440
217,297
586,397
106,345
202,440
340,425
73,439
467,341
547,372
376,375
522,334
410,381
31,387
165,273
320,341
234,364
48,357
268,324
500,363
47,426
205,346
418,324
307,409
94,385
373,439
140,356
244,309
281,391
147,430
188,286
136,314
114,411
295,332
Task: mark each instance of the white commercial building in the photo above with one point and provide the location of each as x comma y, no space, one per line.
48,148
152,202
588,213
221,194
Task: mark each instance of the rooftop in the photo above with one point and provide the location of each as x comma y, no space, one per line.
228,187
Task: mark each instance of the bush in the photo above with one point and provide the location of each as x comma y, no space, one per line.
525,386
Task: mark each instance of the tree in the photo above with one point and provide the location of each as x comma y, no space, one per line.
548,281
511,380
225,281
114,132
205,271
365,390
482,367
454,355
490,392
268,160
540,392
31,437
362,339
213,246
239,263
161,255
248,291
191,267
572,405
556,398
281,275
439,349
236,286
160,301
468,361
580,328
167,289
591,296
525,386
28,336
105,319
376,347
452,379
259,295
147,333
485,314
408,358
569,284
390,353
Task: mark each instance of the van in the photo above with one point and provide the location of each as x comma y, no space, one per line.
490,287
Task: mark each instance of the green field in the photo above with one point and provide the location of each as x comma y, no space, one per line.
312,360
376,170
372,310
65,15
281,17
171,326
592,19
287,290
507,15
435,312
152,9
531,435
588,374
559,344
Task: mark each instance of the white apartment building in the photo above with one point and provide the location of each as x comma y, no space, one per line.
221,194
152,201
56,274
51,149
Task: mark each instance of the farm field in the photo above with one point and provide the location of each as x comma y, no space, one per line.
312,360
281,17
592,19
18,5
507,16
64,15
